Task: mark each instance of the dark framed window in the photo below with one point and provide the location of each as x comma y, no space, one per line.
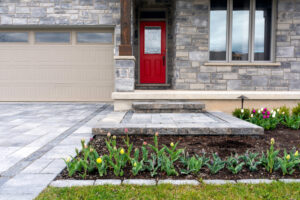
241,30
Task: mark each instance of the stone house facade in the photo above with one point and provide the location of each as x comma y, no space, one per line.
187,26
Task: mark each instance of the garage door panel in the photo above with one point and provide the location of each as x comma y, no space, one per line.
53,93
53,75
64,72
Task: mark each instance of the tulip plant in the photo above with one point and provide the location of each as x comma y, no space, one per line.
165,160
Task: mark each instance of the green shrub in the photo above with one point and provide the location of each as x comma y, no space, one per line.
296,110
283,111
292,122
241,113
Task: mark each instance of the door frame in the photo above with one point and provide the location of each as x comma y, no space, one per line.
139,41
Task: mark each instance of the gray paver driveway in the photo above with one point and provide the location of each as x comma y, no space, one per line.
33,139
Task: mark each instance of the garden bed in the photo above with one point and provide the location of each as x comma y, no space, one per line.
224,146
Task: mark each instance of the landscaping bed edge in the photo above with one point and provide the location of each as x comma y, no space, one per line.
147,182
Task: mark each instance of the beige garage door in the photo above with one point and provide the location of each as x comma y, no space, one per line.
51,65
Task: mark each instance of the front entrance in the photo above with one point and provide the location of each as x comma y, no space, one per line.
153,52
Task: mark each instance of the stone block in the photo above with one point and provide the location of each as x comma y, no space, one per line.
219,182
259,81
71,183
22,10
230,76
38,12
204,77
178,182
294,85
139,182
108,182
285,52
201,56
124,85
234,85
254,181
295,67
6,19
19,21
290,180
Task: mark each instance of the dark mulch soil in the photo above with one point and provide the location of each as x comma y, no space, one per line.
223,145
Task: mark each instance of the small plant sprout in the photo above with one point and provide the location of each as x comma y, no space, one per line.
216,164
193,164
251,161
234,165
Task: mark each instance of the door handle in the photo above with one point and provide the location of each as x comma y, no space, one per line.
164,60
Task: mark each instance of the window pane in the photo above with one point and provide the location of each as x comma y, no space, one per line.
52,37
263,28
240,29
13,37
94,37
152,40
217,32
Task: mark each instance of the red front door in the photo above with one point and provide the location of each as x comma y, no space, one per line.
152,52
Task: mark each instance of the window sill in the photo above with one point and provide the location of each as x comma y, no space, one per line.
242,64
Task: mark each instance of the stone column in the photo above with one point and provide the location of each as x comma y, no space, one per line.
124,73
125,62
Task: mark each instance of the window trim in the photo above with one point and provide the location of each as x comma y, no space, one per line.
251,35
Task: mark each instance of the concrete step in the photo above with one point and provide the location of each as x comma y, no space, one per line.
208,123
168,107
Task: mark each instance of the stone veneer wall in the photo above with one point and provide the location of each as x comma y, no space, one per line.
62,12
191,42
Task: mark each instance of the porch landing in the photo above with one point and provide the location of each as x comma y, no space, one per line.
206,123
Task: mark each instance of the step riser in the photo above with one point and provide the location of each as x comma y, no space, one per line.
168,107
180,131
169,111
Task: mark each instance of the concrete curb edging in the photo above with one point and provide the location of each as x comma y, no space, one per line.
148,182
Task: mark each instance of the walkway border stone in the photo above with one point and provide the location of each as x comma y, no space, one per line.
139,182
71,183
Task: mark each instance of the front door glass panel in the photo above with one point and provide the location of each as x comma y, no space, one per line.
152,40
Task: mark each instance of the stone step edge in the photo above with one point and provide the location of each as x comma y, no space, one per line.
168,106
78,183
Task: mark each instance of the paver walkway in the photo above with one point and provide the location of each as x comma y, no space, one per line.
34,137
